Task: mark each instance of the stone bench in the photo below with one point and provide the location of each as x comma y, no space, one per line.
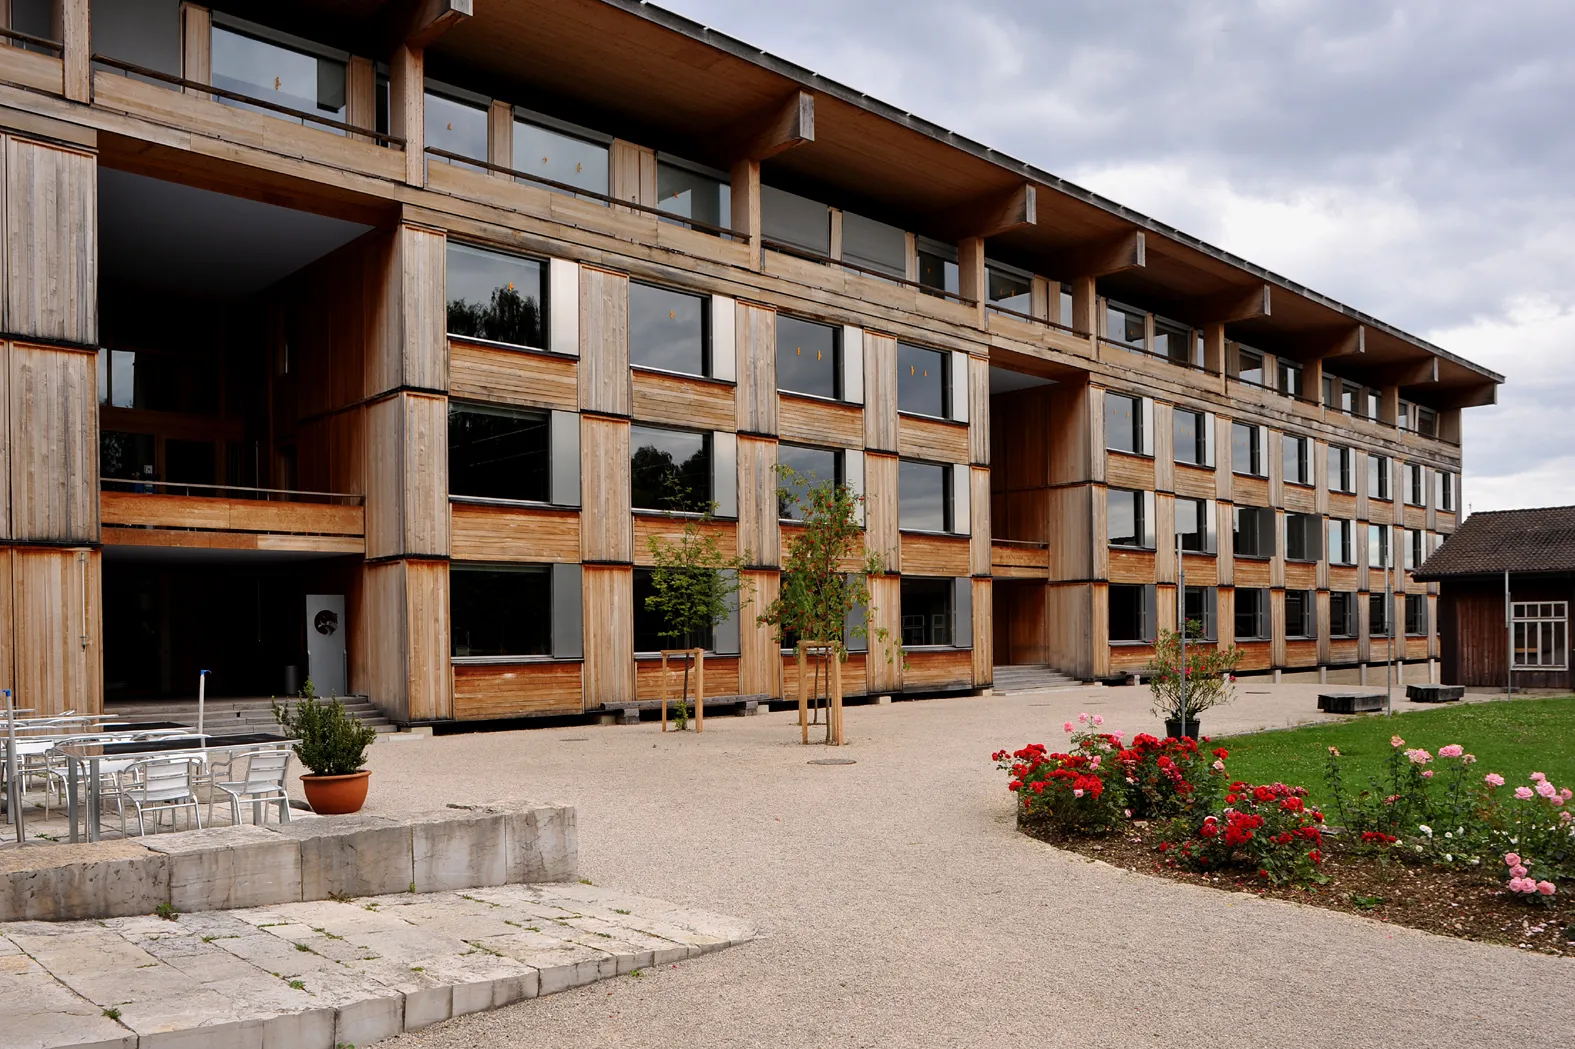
1435,693
628,713
314,858
1350,702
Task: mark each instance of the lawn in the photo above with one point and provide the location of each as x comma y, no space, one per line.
1514,739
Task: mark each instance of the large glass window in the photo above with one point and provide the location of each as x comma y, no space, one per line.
499,453
1192,524
277,73
456,126
682,190
1377,615
1296,459
651,630
1415,615
808,357
809,464
552,154
1414,555
1342,614
1249,365
1190,433
1123,423
1009,290
1254,531
1200,609
938,267
1130,612
1541,636
1378,546
924,496
496,297
668,330
794,220
1377,476
669,469
1303,537
1446,490
500,610
874,245
1252,614
1125,325
1246,449
1342,548
1290,379
1174,341
1301,613
1415,484
1124,517
927,609
923,386
1342,474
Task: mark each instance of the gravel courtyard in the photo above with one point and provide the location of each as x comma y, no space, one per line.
898,907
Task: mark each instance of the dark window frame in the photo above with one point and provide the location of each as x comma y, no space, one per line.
948,497
459,407
707,450
1139,525
948,409
1306,620
839,393
949,588
1262,629
543,309
1344,619
1265,518
1137,423
460,572
707,334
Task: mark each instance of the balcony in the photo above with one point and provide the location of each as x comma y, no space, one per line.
196,516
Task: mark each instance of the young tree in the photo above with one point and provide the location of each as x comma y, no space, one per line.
1207,674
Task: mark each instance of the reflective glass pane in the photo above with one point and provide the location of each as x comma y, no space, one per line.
498,611
278,74
1124,326
652,631
812,466
1122,516
875,245
495,296
926,611
938,272
921,380
1249,365
1185,430
1009,291
680,191
667,330
1173,342
807,357
455,126
550,154
1244,448
1121,423
922,496
669,469
498,453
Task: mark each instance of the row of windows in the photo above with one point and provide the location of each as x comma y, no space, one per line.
1129,419
1132,616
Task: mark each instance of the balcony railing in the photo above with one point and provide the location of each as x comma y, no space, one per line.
228,491
54,47
815,256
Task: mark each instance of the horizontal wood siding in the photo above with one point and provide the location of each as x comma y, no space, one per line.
507,533
934,555
808,421
1131,566
930,439
497,376
949,668
1251,491
721,679
234,515
516,689
1130,471
674,400
854,677
1195,482
667,530
1252,573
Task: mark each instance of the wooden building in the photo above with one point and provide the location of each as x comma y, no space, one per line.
1506,583
373,339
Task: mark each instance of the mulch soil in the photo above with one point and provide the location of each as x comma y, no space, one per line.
1467,904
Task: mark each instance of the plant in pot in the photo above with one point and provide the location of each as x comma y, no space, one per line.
1184,689
332,744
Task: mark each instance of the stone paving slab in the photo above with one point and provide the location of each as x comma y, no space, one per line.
320,974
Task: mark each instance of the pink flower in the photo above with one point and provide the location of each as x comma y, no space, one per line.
1547,790
1116,736
1567,794
1547,888
1427,773
1523,793
1511,859
1493,779
1218,766
1522,885
1517,872
1468,759
1093,762
1099,719
1538,777
1082,719
1396,741
1077,794
1555,801
1419,756
1454,750
1067,727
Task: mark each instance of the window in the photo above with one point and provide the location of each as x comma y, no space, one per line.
1377,476
1414,555
1426,421
812,465
1295,453
1446,490
1301,613
499,453
1404,421
796,221
1249,365
937,266
1132,615
1175,342
1342,614
456,126
1416,615
924,496
1541,638
1193,525
669,470
126,457
1200,606
1123,423
496,297
1374,405
1125,325
691,193
1303,537
501,610
1008,289
651,632
1254,533
923,381
1330,397
1190,432
875,245
808,357
1342,474
548,153
1246,442
669,330
1350,398
1415,484
1342,548
1063,293
1377,615
1290,379
1378,546
1125,517
1252,614
117,378
293,77
927,609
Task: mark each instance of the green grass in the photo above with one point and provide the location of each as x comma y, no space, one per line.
1513,739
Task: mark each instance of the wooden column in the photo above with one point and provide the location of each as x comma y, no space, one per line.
361,95
632,173
1084,299
970,274
500,136
71,29
755,348
746,206
196,46
407,109
609,635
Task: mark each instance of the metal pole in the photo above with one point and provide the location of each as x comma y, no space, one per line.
1181,617
1389,620
202,697
13,793
1509,636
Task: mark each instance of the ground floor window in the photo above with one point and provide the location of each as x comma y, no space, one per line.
1342,613
501,610
1377,615
652,632
1416,614
1301,613
927,610
1132,614
1541,635
1252,614
1200,608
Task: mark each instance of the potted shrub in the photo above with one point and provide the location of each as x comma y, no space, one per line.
332,744
1208,675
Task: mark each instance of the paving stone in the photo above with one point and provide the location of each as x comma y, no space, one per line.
458,849
358,855
41,1013
228,867
72,882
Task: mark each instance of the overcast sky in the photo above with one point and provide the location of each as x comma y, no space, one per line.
1414,160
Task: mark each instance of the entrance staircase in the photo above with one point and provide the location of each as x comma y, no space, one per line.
1029,678
228,716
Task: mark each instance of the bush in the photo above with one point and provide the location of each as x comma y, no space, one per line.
332,743
1076,792
1167,778
1268,829
1207,675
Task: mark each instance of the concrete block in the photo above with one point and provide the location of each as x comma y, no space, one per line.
41,1012
229,867
72,882
543,842
458,849
359,855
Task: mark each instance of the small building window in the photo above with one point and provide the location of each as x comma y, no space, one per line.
1174,342
1123,423
937,267
1377,615
1303,537
874,245
1374,405
1125,325
1426,422
1414,550
1415,484
1254,531
1446,490
1189,431
1297,460
690,193
500,610
923,381
814,466
1063,294
670,470
1351,399
924,496
927,610
669,330
795,221
1246,441
1125,517
1377,476
1290,378
1342,474
560,156
499,453
809,357
651,630
1541,635
1009,290
1415,615
1200,609
1342,548
293,77
1378,546
1192,524
496,297
1252,614
1132,616
455,126
1301,613
1342,614
1249,365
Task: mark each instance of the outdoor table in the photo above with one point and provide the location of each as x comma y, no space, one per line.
40,742
89,754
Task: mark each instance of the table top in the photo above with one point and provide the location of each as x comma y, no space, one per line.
172,744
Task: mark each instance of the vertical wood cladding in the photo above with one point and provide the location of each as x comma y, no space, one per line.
759,538
399,639
880,392
408,345
759,663
53,444
884,664
606,527
431,682
983,637
979,526
880,509
755,342
609,634
979,411
56,618
407,476
604,342
51,242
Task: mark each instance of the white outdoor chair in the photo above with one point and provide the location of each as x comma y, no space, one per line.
264,783
161,785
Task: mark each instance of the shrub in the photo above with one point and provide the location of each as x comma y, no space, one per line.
1171,777
1076,792
332,743
1270,830
1207,674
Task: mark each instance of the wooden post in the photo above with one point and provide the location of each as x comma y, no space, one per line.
836,697
664,690
699,655
803,695
833,688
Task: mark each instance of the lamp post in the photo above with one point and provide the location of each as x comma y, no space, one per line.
1181,619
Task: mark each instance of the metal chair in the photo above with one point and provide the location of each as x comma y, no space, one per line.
161,785
264,783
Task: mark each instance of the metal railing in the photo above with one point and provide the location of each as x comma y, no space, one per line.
815,256
227,491
54,46
1167,358
1046,321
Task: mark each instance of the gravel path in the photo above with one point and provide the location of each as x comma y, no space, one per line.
898,907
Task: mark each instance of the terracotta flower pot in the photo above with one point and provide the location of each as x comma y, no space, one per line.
336,795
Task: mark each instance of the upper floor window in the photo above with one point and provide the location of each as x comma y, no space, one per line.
1350,398
1378,546
1174,342
1374,405
874,245
456,124
1415,615
1291,379
1541,638
814,466
1415,545
692,193
1446,490
1415,484
669,330
499,453
1403,418
1124,423
1200,609
938,266
1190,432
1301,613
1252,614
670,470
924,496
1246,442
1194,523
1009,289
495,296
1377,476
1249,365
295,75
1063,294
1126,518
808,357
1254,531
1297,460
795,221
1303,537
559,155
1343,615
1126,325
923,381
1342,474
1426,422
1342,547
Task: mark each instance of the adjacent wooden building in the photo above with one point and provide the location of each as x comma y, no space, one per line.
375,341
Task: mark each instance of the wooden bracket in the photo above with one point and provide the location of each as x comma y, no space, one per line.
1126,251
418,23
771,131
1234,305
991,214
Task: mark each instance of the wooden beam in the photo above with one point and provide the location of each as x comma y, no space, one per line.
71,29
407,109
990,215
1352,342
1128,251
1233,305
1409,373
433,18
763,135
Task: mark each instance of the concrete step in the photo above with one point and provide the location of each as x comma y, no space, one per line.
1027,677
250,714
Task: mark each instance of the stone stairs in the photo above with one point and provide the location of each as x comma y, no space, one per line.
225,716
1030,677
